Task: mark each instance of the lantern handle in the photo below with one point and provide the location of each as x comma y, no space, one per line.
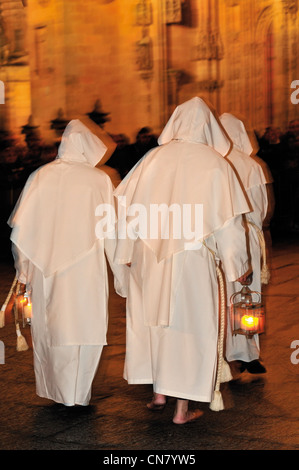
233,296
251,292
257,293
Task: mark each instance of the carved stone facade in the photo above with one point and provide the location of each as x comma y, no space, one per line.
14,68
141,58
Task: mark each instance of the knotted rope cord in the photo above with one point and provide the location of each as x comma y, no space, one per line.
15,306
21,340
217,402
265,273
3,308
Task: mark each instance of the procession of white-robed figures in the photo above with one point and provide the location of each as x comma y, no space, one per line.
171,284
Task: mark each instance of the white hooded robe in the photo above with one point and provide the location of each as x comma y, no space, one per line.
58,254
172,305
253,180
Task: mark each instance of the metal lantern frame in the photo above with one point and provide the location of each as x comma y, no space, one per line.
247,315
22,307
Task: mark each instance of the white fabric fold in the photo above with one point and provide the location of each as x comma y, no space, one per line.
254,179
193,121
249,171
79,144
50,234
237,132
186,171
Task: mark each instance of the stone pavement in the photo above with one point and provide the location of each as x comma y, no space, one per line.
262,412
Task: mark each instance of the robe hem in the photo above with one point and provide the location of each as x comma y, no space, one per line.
200,398
180,395
60,401
245,357
65,345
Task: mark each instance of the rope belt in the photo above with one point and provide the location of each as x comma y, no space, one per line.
223,369
265,273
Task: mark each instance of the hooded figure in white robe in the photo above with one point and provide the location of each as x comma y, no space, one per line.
172,304
62,261
254,182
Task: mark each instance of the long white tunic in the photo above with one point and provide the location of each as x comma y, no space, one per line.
58,255
254,181
172,305
240,347
180,359
69,322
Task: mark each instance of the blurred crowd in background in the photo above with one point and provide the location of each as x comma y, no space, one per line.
280,151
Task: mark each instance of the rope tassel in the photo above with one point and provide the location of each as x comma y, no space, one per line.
226,374
21,341
217,402
223,370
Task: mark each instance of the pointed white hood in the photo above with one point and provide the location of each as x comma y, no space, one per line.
53,221
249,171
193,121
237,133
79,144
187,169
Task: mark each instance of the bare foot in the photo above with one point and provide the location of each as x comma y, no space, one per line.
155,407
158,402
187,417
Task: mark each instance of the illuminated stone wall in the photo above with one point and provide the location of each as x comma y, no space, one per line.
140,58
14,68
244,57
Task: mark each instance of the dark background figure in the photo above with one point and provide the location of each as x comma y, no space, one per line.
17,162
127,155
290,175
145,141
280,152
272,149
12,180
118,158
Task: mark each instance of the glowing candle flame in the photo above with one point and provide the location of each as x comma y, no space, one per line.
28,310
249,322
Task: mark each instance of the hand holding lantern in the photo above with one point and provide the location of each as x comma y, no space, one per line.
247,316
23,305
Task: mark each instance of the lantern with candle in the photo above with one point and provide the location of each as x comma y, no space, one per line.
23,306
247,315
27,308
